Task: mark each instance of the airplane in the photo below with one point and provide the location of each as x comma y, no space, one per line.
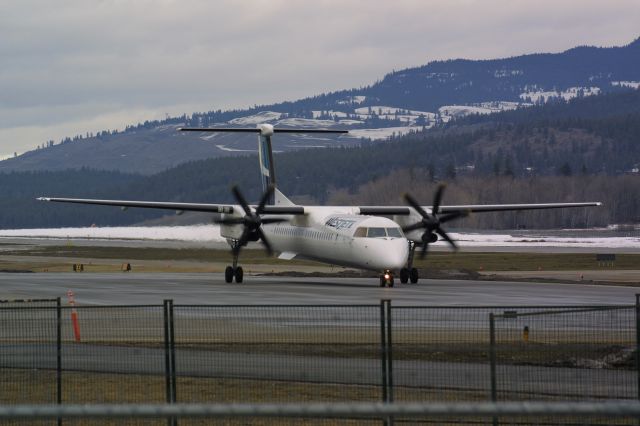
379,238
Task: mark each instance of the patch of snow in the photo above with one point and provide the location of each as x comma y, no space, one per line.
455,111
632,84
339,114
352,100
539,96
385,110
502,240
181,233
259,118
209,136
224,148
506,73
212,233
382,133
309,123
350,122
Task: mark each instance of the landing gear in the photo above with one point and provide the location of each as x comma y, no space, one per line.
386,279
410,273
413,275
230,273
234,271
404,275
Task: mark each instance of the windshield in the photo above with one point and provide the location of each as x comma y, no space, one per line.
378,232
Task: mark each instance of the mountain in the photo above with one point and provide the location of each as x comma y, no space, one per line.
403,101
583,149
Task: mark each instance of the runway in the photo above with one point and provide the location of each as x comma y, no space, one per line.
210,289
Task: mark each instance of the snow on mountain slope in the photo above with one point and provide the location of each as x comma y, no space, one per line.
261,117
631,84
540,96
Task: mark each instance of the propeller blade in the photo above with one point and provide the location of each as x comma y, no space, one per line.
444,235
437,198
413,203
423,253
266,243
244,238
241,200
265,198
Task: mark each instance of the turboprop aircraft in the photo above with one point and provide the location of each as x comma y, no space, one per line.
378,238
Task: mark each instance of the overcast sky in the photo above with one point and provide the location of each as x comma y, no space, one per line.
71,67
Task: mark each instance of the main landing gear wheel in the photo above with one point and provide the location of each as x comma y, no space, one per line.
239,274
413,275
230,273
404,275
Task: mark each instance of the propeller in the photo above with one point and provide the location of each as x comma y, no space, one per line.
431,223
252,220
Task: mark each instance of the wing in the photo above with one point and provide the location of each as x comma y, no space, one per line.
194,207
471,208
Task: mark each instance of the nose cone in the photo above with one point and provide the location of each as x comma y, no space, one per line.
391,254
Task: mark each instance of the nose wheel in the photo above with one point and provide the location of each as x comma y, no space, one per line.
386,279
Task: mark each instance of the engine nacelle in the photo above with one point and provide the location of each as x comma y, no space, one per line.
429,238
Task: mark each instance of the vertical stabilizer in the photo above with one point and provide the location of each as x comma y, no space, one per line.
265,156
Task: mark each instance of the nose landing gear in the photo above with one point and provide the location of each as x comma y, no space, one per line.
386,279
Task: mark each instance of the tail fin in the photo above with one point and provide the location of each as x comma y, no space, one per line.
265,157
265,153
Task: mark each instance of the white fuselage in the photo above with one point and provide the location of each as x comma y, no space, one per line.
338,236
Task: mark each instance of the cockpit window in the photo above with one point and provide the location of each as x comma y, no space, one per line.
376,232
360,232
394,232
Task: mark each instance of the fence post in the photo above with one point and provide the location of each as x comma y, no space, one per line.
172,345
383,350
59,354
492,361
638,342
167,314
389,353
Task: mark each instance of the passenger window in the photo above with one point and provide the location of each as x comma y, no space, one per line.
394,232
360,233
376,232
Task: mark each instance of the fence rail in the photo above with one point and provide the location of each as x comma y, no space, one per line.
614,409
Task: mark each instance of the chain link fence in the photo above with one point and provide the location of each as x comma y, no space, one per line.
152,354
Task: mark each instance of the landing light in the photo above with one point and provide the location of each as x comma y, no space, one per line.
387,276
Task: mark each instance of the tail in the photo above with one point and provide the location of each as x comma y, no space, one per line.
265,154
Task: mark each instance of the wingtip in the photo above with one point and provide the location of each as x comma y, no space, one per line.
43,199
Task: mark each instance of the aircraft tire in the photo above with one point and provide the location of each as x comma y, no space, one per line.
382,282
404,275
239,273
228,275
391,281
413,275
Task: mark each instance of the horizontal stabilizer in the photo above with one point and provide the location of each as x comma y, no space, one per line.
257,130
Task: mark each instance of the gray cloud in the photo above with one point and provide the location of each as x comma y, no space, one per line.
68,66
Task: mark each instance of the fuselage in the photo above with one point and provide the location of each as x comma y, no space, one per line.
339,237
